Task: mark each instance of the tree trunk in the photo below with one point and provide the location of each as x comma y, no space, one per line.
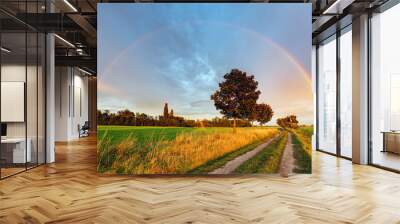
234,125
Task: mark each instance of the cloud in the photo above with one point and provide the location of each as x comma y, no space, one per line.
193,71
303,109
107,89
200,114
200,103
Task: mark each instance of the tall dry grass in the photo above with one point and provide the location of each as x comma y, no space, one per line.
180,155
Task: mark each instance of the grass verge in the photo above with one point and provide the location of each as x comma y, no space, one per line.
301,140
267,160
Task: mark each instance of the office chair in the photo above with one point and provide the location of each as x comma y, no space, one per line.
84,130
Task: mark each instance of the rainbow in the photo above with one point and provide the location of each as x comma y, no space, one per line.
292,59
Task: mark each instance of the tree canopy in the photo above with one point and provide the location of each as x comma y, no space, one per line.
237,95
263,113
237,98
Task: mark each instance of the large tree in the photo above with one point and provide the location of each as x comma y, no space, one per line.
236,96
263,113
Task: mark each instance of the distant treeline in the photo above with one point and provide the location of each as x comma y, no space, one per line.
288,122
129,118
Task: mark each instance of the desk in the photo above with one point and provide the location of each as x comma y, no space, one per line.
391,141
13,150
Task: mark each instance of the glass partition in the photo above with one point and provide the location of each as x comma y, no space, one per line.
41,97
13,90
22,90
31,98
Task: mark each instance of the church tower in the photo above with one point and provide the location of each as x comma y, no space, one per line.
166,111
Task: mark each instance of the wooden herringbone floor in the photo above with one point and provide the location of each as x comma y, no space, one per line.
70,191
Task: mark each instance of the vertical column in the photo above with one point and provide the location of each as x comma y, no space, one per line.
50,92
92,100
314,90
50,98
338,109
317,108
360,90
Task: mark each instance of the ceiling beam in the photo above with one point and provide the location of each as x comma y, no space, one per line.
77,61
338,6
86,26
49,22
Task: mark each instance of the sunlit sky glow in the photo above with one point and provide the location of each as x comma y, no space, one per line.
150,54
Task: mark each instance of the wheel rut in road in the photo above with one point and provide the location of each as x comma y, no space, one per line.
230,166
287,160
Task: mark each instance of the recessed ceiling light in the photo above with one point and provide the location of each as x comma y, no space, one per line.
5,50
64,40
84,71
331,7
338,6
70,5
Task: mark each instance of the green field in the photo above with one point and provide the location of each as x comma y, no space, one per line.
306,131
144,133
144,150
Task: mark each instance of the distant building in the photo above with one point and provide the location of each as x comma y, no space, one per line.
166,111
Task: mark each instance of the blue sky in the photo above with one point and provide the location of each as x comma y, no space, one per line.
149,54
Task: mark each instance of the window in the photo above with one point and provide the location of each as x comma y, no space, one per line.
327,95
346,93
385,89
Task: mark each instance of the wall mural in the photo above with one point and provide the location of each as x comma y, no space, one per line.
204,88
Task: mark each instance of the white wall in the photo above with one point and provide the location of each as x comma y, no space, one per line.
80,104
12,73
71,103
62,81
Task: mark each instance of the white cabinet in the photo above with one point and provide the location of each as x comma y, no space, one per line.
19,155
